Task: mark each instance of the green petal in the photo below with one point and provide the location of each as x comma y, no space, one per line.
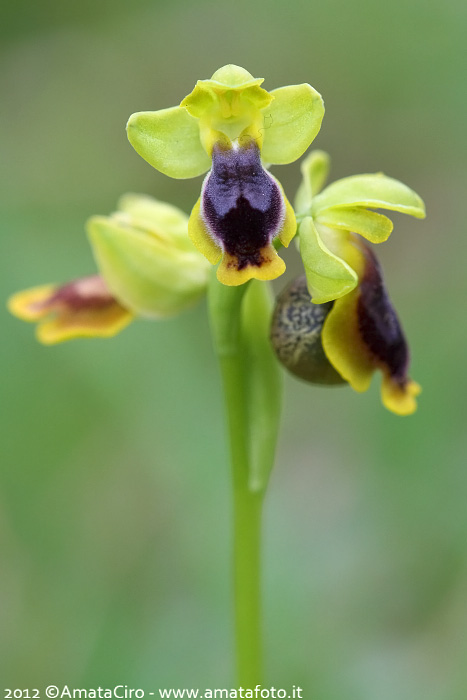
376,191
204,96
372,226
149,213
315,169
145,274
328,276
169,140
291,122
200,100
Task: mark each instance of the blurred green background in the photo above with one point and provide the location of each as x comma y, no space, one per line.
114,492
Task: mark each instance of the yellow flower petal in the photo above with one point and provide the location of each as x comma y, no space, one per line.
104,323
343,345
31,304
362,334
200,236
400,399
232,274
80,309
289,225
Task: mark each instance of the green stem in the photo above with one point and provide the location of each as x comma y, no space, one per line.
247,531
240,318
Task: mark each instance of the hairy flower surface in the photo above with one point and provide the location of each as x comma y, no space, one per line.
362,333
348,339
230,125
357,331
148,268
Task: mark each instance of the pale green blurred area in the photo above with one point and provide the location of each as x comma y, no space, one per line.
114,493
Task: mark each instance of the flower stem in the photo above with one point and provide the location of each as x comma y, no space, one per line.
240,319
247,506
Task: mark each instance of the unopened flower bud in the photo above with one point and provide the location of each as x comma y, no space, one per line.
296,335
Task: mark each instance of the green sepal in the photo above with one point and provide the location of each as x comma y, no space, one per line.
376,191
315,170
232,77
147,274
158,218
169,140
291,122
375,227
328,276
263,383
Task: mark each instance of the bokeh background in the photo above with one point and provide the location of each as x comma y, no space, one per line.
114,491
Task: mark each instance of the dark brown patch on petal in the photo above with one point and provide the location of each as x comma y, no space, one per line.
242,203
82,294
257,259
378,323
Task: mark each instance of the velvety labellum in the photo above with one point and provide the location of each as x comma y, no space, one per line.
242,204
378,323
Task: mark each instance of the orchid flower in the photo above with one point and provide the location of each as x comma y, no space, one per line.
338,324
148,268
230,126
